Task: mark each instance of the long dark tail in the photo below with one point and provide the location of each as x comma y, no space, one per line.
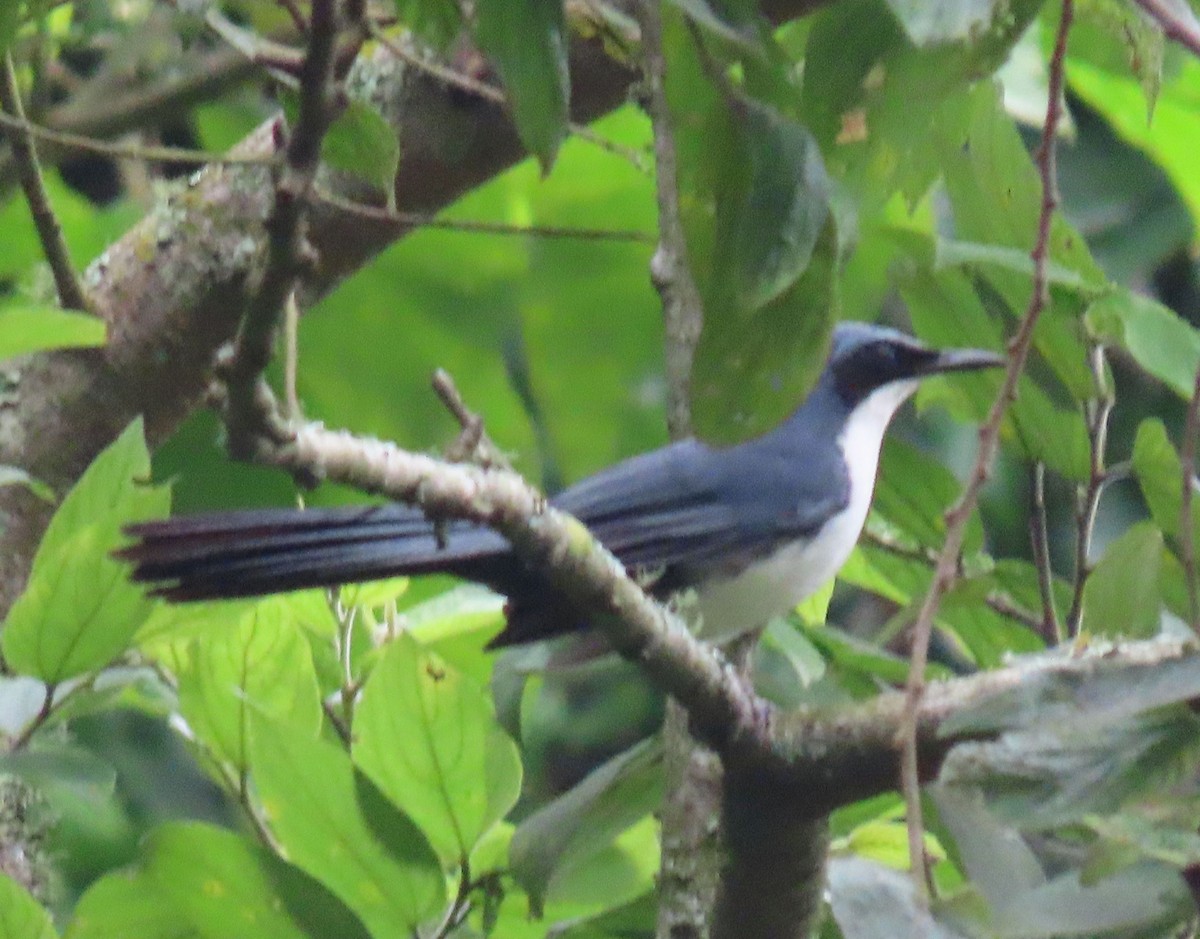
241,554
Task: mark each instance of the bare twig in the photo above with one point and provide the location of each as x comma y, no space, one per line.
285,237
407,220
291,357
1039,539
121,151
473,443
1087,499
66,279
1177,23
1187,540
946,569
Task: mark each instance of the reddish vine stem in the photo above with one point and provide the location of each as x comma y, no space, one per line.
1187,541
946,570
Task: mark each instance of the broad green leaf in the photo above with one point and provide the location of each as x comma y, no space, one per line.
585,821
435,21
361,142
79,611
1156,841
918,511
617,873
526,41
953,253
261,663
1119,38
1121,597
1160,341
427,736
802,656
772,203
1159,472
26,328
21,916
334,824
195,880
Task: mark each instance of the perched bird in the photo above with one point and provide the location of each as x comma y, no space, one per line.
754,528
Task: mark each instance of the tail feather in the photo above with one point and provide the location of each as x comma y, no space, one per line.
258,552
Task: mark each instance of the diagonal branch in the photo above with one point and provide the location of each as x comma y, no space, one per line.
70,291
946,570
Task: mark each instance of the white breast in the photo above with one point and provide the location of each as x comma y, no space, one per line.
772,586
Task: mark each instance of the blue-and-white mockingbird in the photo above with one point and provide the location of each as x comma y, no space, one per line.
754,528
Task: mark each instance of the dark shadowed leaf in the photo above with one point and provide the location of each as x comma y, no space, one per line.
361,142
576,827
79,609
525,39
435,21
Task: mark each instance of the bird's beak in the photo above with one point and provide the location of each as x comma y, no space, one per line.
962,360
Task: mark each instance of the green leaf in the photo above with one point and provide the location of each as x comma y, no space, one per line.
361,142
428,738
261,663
526,41
1159,340
333,823
1158,842
196,880
585,821
1121,597
21,916
1159,472
772,203
1119,38
10,20
435,21
28,327
79,610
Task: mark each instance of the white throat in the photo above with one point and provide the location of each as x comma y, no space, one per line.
773,586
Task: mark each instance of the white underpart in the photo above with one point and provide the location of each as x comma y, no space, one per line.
774,585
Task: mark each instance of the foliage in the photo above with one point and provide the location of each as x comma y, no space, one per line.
360,764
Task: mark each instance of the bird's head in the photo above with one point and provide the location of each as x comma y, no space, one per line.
866,359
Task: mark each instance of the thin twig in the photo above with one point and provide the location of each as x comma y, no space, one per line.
254,345
945,572
121,151
683,312
1087,498
1176,21
291,357
1039,538
473,443
998,602
1187,541
418,219
66,279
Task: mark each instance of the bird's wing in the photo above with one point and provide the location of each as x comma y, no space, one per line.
693,506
